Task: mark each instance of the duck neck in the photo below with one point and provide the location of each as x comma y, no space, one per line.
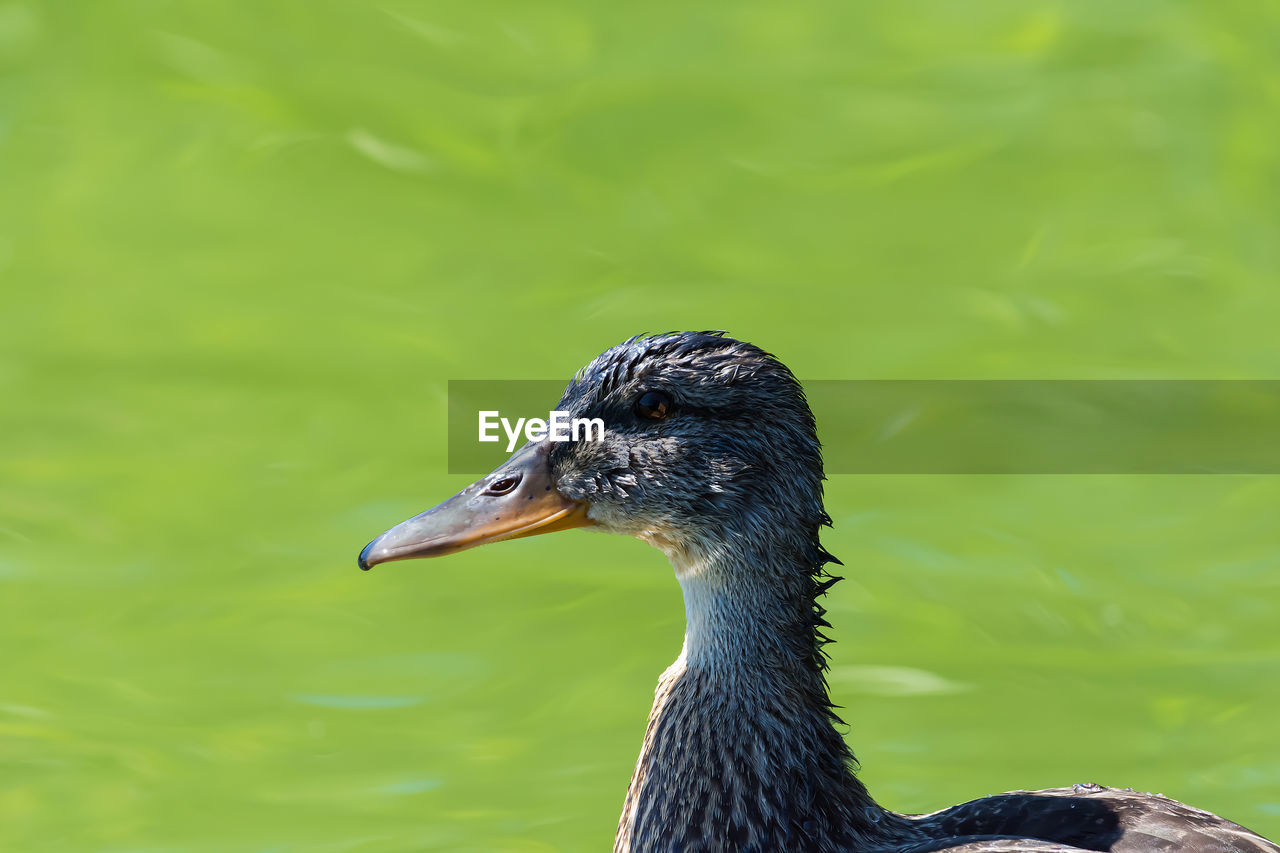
741,740
746,617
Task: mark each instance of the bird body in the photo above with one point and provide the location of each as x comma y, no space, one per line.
710,454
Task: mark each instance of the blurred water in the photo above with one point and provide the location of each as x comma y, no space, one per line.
240,256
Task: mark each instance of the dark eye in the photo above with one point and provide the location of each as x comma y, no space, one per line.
654,406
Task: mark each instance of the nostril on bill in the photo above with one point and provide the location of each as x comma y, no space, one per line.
503,486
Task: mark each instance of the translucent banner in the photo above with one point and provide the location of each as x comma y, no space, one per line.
969,427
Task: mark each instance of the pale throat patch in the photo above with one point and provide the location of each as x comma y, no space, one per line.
714,625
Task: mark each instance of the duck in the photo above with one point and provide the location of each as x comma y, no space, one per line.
710,454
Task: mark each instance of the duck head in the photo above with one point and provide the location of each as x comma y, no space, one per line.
707,441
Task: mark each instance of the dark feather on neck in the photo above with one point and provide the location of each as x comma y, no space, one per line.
742,743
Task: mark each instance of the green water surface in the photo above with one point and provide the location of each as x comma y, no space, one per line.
244,246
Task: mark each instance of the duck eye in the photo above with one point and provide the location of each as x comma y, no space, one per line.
654,405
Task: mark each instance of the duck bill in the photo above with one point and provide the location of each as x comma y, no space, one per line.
517,499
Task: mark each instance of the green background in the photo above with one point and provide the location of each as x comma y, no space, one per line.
243,247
